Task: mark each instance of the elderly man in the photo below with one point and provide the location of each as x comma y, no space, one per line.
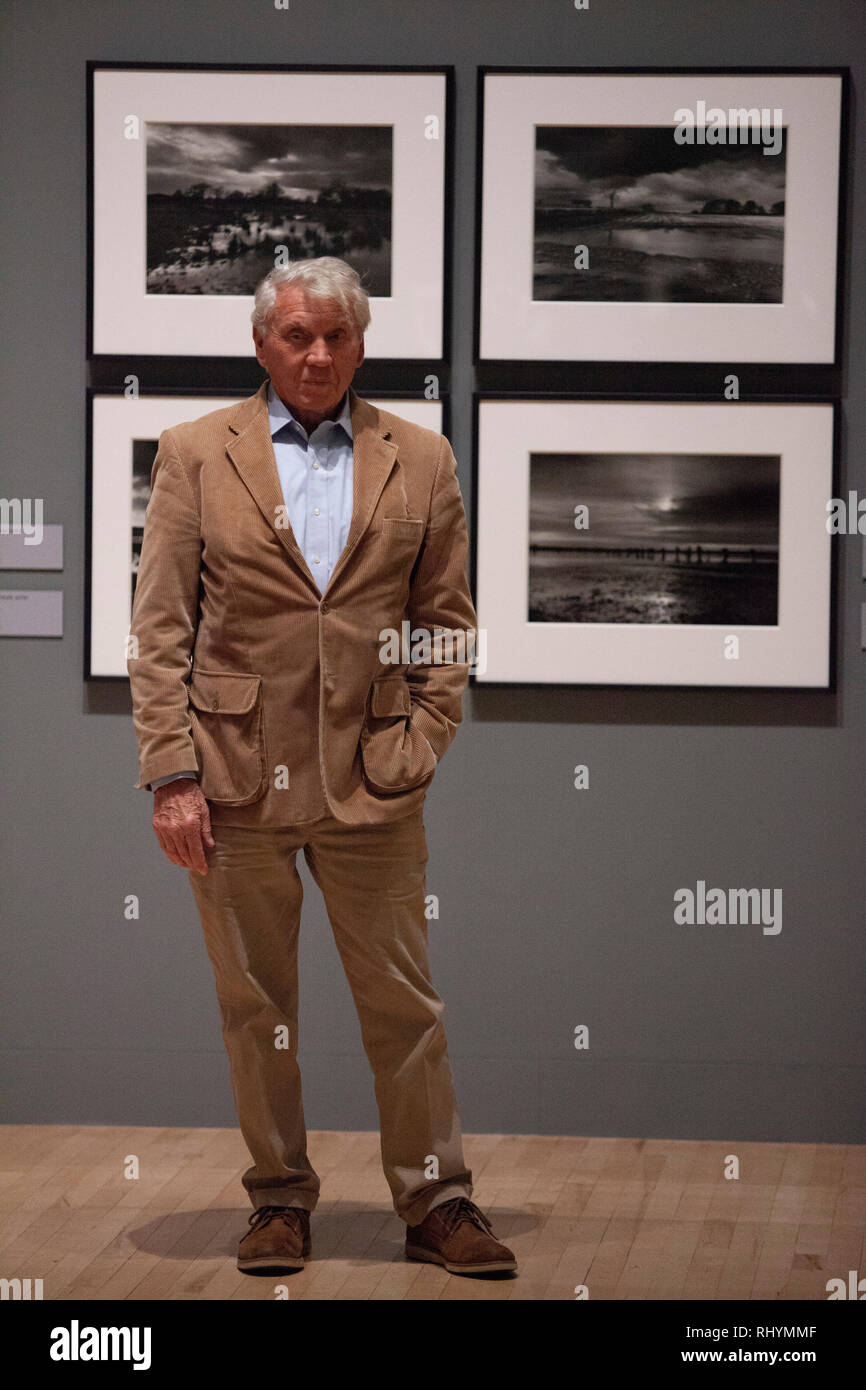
288,541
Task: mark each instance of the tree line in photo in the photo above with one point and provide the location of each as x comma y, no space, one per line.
212,240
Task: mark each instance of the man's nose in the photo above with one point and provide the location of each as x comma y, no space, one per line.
319,351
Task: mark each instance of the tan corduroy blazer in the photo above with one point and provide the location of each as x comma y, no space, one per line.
285,700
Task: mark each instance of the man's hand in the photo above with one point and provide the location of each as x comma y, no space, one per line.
181,820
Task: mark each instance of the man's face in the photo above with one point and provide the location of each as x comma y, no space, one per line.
309,352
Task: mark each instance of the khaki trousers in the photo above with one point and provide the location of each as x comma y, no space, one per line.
372,878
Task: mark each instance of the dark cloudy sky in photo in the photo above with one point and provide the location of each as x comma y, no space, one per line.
646,165
696,499
300,158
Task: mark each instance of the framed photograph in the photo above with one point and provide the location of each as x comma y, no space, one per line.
652,216
203,178
123,434
653,543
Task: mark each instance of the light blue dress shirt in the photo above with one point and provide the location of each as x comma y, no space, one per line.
316,476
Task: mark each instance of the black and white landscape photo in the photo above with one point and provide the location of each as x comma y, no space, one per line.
143,455
222,198
654,538
661,222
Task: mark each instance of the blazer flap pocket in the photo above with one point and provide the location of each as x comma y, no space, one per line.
223,692
390,696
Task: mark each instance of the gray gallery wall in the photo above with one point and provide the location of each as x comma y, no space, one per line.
556,904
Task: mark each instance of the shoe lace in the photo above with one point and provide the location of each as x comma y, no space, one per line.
461,1209
262,1215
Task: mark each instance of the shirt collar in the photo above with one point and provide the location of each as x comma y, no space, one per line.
279,414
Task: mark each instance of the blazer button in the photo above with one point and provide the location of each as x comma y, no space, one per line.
324,608
215,705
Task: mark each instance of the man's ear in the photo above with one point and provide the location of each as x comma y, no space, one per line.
360,353
258,341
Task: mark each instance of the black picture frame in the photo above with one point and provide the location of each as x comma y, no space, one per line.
115,421
418,310
504,627
519,366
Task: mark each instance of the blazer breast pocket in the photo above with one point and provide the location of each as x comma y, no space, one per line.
403,534
403,527
397,543
227,724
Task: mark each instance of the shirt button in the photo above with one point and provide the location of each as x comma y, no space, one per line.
315,465
315,511
315,559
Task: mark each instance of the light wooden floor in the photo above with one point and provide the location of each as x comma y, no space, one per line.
630,1219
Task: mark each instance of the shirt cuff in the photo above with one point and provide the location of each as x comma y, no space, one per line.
172,777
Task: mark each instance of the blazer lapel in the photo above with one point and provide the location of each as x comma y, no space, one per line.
251,450
252,453
373,458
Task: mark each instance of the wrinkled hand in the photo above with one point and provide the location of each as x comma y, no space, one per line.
181,819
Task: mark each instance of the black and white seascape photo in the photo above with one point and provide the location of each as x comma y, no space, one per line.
660,221
654,538
222,198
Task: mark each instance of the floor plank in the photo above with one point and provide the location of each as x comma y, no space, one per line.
624,1219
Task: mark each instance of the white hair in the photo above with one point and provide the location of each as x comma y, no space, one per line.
322,277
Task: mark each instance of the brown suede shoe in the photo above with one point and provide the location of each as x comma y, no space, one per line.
279,1239
459,1236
